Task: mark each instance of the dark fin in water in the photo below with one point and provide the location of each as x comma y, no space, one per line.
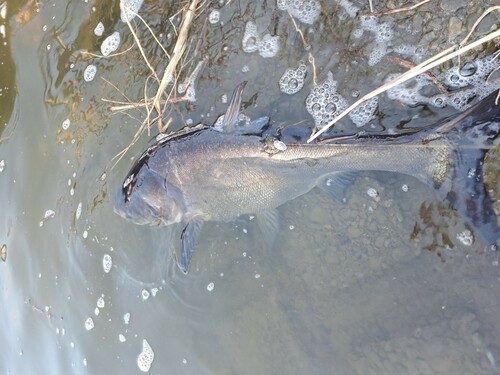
337,184
269,224
474,133
256,127
189,237
233,110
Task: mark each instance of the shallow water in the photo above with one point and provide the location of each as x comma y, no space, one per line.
375,286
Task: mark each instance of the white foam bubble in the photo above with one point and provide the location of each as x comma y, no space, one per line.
110,44
146,357
351,9
466,237
66,124
145,294
365,112
269,46
324,103
89,324
99,29
293,80
107,263
376,55
100,302
306,11
214,17
250,42
129,9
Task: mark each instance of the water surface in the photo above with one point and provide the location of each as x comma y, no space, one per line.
380,285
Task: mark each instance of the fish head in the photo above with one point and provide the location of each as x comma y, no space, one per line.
146,198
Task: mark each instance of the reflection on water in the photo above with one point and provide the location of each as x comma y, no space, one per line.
347,289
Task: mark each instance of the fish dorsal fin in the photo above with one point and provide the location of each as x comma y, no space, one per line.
233,110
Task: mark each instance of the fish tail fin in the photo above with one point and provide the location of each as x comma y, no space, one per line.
475,132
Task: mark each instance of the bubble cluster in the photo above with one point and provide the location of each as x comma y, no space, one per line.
382,32
466,237
146,357
214,17
99,29
470,74
110,44
250,38
324,103
470,81
293,80
89,324
129,9
267,47
210,287
66,124
306,11
107,263
365,112
372,193
351,9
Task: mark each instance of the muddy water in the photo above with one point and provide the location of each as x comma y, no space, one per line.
379,285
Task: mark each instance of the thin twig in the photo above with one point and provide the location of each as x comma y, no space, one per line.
306,46
138,43
478,21
106,57
399,10
150,101
179,48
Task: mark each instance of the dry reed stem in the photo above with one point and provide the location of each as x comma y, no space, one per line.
371,5
419,69
478,21
126,106
399,10
138,43
153,35
179,48
106,57
408,64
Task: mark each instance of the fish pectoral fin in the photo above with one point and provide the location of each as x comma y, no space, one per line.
233,109
189,237
269,224
336,184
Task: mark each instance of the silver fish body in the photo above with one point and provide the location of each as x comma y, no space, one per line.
204,174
